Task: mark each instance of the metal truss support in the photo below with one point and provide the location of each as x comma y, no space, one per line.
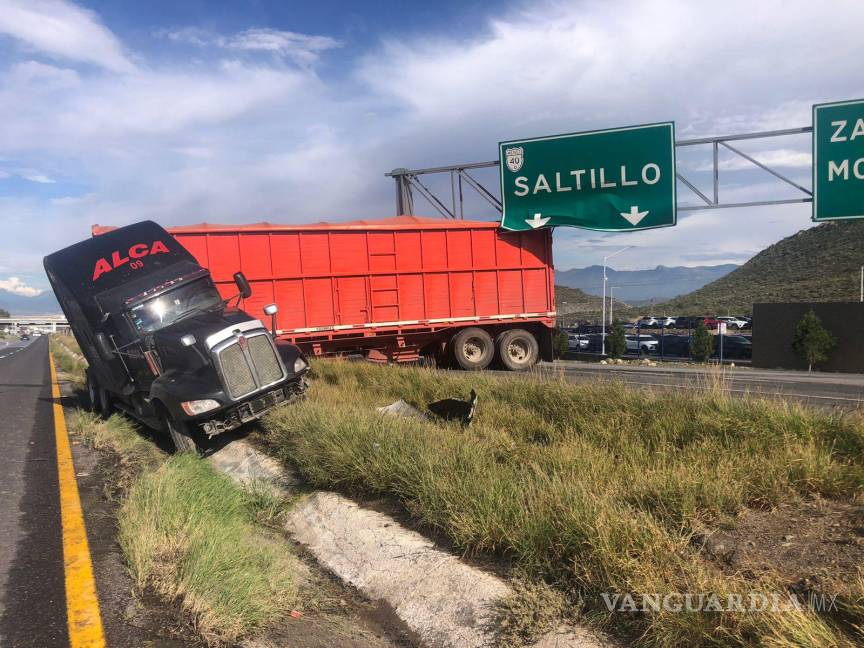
408,180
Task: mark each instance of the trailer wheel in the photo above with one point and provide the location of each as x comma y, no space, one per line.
473,349
181,435
518,349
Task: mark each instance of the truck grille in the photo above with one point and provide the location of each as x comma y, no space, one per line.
266,362
247,370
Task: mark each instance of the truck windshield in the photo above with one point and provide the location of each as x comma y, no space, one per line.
168,307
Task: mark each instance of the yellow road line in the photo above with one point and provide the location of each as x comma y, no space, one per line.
82,604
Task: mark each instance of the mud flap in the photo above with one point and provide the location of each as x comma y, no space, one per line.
544,339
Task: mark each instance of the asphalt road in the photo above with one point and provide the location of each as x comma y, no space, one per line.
32,574
821,389
32,590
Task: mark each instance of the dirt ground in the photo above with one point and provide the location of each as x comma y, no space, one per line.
811,546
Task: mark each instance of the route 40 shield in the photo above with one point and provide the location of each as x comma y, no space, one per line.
620,179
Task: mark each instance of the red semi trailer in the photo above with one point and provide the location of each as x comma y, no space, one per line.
393,289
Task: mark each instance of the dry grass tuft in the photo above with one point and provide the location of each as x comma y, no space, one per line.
189,533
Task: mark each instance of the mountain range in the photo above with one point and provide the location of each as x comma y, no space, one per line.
42,304
819,264
642,286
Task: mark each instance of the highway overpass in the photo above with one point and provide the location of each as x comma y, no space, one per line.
44,323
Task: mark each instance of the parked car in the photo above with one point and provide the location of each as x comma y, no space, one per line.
734,346
25,337
641,344
685,322
675,345
665,322
594,342
708,322
732,322
629,326
647,322
577,342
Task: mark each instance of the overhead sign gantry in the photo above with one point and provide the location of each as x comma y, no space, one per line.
622,179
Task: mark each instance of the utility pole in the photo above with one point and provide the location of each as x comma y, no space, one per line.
603,321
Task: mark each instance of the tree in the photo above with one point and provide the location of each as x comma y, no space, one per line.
616,344
560,343
812,341
702,343
4,313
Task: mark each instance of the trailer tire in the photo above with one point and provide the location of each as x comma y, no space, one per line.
472,349
181,435
518,350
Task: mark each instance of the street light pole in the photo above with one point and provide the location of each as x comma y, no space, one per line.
603,329
611,303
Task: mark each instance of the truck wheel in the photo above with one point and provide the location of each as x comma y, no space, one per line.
92,393
181,435
472,349
518,349
106,408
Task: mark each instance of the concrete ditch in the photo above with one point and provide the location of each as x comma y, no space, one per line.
446,602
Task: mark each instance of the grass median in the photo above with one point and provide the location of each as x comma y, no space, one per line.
188,533
593,488
68,356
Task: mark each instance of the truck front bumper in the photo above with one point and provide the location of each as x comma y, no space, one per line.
250,410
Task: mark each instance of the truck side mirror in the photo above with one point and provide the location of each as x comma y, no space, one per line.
243,285
271,310
104,347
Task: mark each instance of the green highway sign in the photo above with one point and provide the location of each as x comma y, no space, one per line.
838,160
621,179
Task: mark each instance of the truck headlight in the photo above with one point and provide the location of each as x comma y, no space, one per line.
193,408
299,365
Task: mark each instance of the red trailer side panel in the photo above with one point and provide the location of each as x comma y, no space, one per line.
384,276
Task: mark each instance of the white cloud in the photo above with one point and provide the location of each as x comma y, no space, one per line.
34,176
300,48
110,110
571,66
187,35
303,49
63,30
15,286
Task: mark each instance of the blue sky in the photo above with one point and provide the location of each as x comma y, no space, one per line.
286,111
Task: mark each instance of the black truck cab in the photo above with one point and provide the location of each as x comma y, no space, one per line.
161,342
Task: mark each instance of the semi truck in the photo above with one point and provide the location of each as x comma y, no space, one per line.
466,293
163,344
